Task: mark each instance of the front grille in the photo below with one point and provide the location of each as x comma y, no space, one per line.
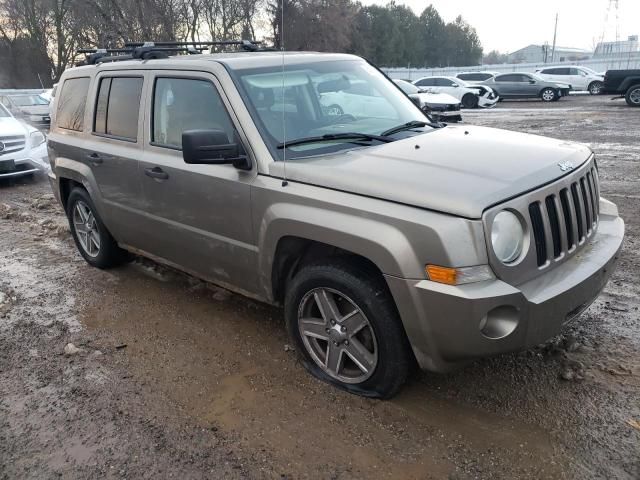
566,218
11,144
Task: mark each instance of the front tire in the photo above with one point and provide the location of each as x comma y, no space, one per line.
633,96
469,100
346,329
93,240
595,88
548,94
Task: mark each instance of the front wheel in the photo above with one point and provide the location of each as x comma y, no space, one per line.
93,240
470,100
633,96
595,88
346,329
548,94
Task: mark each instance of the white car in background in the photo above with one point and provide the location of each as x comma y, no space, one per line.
580,78
23,149
475,77
471,96
441,106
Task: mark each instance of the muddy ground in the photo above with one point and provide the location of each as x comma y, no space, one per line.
177,379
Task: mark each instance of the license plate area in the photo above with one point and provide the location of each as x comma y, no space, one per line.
7,165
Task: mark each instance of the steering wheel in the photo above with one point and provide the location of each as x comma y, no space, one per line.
344,118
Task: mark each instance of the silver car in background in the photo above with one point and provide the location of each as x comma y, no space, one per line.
527,85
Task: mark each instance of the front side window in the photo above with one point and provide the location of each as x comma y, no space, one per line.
28,100
118,107
181,104
72,102
426,82
322,98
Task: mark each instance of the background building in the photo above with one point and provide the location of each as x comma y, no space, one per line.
630,45
542,54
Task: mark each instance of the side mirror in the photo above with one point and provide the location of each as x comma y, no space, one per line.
455,85
212,147
532,82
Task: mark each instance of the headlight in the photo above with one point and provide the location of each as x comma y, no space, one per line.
36,139
507,236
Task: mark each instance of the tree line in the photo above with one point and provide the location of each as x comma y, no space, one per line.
39,38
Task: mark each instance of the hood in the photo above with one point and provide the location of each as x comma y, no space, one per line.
9,126
437,98
461,170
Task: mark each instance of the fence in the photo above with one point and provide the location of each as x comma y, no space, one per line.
611,62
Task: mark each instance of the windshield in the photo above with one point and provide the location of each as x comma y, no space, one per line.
28,100
322,98
4,112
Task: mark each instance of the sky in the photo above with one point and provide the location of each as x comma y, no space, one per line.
508,25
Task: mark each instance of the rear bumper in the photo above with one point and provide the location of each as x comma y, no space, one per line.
450,325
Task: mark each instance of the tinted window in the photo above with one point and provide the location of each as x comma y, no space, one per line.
444,82
426,82
71,103
508,78
475,76
117,107
574,71
184,104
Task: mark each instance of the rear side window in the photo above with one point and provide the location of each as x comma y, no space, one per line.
118,107
181,104
71,103
474,76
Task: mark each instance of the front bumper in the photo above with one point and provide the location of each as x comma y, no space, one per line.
445,323
24,162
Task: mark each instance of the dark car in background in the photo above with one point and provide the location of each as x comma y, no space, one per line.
623,83
527,85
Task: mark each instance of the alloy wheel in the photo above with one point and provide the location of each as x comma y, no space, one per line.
634,96
548,95
86,228
337,335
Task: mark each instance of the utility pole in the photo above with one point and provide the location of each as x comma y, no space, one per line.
553,49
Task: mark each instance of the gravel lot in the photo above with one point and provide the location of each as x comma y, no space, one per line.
175,378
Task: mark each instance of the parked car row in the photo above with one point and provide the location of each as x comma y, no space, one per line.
28,105
23,148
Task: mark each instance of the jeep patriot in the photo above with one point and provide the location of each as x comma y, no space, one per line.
388,239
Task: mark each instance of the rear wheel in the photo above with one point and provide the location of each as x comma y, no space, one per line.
93,240
346,329
595,88
469,100
548,94
633,96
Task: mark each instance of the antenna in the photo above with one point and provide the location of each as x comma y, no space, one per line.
284,131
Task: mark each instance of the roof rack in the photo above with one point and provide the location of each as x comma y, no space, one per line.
154,50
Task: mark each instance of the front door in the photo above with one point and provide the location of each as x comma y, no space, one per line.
198,216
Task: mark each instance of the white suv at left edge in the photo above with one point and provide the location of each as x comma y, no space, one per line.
23,149
471,96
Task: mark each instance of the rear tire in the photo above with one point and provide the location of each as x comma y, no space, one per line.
548,94
360,324
595,88
469,100
633,96
93,240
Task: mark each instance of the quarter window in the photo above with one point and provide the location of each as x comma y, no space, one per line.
181,104
118,107
72,102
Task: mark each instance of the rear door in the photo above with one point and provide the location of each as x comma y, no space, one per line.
507,85
115,149
197,217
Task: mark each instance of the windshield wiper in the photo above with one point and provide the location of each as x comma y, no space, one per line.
409,126
334,136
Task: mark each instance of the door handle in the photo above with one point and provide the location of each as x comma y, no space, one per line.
95,158
156,172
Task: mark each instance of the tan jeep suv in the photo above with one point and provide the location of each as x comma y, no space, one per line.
389,239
